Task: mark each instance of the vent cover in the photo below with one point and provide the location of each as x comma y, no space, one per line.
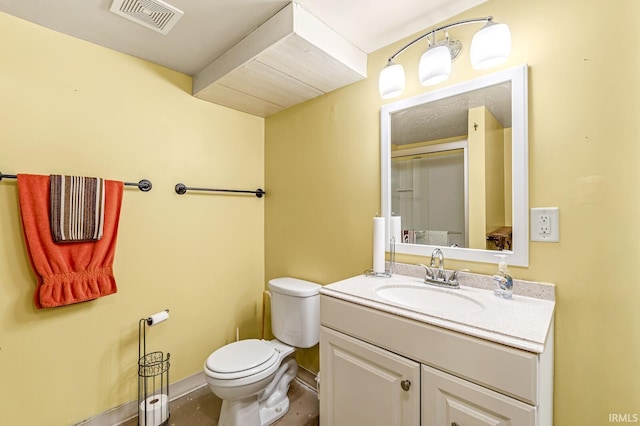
154,14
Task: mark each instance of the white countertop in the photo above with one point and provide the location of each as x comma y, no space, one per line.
522,322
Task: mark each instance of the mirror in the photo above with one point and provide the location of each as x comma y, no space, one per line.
455,170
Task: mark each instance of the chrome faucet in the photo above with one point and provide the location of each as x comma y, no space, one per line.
437,254
438,276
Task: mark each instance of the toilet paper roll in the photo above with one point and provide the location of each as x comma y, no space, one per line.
158,318
154,410
378,244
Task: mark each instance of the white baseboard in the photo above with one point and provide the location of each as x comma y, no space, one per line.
129,410
307,378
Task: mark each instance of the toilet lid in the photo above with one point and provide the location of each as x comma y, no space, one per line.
251,354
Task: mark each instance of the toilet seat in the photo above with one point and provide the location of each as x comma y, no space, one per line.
240,359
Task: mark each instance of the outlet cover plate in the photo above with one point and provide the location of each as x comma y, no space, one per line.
545,224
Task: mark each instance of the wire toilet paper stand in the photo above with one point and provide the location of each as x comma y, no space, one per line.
153,377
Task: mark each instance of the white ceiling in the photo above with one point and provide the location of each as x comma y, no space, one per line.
449,117
211,27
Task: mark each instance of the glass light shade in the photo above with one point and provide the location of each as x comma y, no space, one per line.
392,81
435,65
490,46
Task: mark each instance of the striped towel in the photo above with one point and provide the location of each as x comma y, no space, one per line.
77,208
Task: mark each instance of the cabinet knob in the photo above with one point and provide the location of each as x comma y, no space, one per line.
406,385
454,424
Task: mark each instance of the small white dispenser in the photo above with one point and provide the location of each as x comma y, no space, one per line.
153,377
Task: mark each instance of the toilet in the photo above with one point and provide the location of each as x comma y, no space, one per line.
252,376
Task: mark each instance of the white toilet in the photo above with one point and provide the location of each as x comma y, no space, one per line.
252,376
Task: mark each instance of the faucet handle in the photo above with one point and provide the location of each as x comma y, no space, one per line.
454,275
428,273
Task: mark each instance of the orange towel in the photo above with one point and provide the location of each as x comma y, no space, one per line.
72,272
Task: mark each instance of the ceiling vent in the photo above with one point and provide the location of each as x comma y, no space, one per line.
154,14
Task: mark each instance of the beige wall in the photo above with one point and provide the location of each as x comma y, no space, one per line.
508,177
70,107
322,171
478,185
494,172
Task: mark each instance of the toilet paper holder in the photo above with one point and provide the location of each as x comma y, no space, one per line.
153,377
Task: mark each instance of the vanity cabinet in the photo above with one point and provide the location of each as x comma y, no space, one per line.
378,368
367,385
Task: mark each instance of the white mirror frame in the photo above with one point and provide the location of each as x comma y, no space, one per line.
519,256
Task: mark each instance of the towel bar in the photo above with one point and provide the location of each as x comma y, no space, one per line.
181,188
144,185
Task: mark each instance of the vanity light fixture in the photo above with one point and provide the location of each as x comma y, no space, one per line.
490,46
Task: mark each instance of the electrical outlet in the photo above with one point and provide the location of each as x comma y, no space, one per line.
545,224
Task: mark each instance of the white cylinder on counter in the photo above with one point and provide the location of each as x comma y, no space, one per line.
396,229
378,244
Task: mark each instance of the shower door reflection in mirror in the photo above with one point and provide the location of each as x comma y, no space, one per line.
429,193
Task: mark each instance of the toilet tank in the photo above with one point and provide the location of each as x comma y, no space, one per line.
295,311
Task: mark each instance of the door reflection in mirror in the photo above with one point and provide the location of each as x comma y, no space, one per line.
429,194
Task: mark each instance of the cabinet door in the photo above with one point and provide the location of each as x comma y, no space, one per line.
361,384
450,401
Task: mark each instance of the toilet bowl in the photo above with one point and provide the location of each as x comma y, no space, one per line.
252,376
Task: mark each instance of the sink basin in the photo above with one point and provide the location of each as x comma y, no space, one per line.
429,300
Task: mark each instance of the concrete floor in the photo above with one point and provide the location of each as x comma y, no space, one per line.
202,408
